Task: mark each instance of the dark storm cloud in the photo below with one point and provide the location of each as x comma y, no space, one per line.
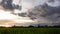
43,12
8,5
46,14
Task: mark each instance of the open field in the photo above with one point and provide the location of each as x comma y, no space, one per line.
29,30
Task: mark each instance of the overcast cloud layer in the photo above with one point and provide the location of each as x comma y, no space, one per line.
43,12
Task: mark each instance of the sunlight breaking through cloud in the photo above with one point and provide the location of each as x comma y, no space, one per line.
11,12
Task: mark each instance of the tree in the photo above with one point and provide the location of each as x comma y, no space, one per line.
31,26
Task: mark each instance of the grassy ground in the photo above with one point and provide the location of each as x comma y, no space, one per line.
29,30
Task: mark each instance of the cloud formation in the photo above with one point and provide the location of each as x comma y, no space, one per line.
46,13
54,3
41,11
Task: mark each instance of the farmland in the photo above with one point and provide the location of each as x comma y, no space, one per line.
30,30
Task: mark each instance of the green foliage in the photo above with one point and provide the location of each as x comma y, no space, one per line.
29,30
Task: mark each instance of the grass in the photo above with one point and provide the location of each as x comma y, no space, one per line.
29,30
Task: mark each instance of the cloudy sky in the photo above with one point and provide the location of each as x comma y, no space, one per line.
31,4
26,5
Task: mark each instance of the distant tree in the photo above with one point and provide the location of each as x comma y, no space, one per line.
38,25
31,26
46,25
13,26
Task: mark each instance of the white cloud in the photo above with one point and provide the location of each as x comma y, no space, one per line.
26,5
56,3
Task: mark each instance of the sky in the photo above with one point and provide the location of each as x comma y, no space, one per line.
31,4
26,5
55,3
